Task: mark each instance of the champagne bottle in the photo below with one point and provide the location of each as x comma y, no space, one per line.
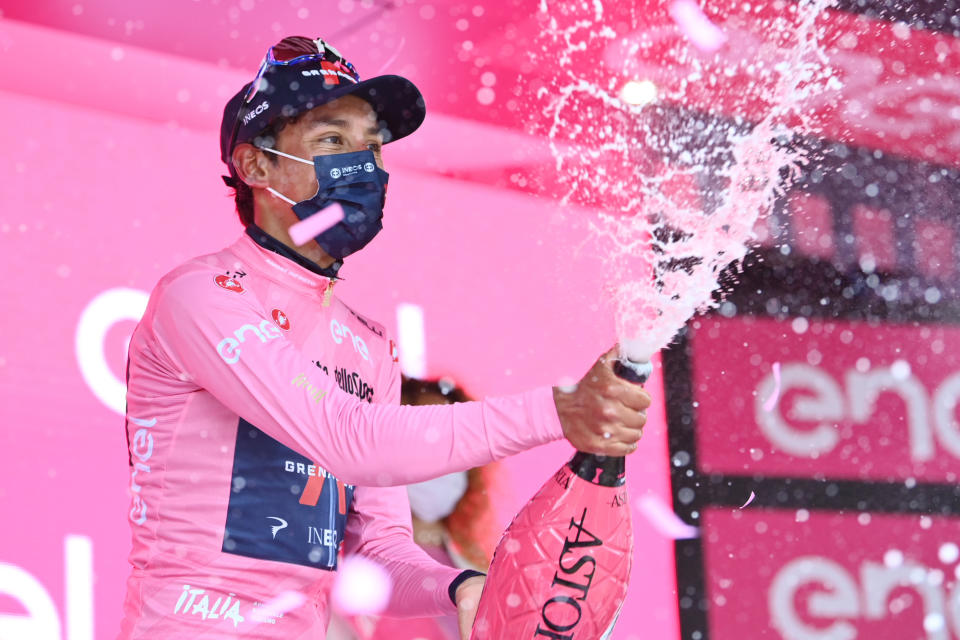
561,569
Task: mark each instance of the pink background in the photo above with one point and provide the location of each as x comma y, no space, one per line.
109,181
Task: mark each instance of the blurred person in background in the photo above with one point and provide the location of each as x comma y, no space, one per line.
453,521
453,517
264,440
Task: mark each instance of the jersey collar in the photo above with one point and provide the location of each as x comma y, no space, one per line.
270,243
281,266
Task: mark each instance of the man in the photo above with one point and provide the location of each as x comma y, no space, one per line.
263,436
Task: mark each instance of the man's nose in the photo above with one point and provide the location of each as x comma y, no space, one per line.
361,145
357,144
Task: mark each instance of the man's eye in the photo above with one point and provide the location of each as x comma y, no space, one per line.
374,146
330,139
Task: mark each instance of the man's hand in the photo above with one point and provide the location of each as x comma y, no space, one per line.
604,414
468,599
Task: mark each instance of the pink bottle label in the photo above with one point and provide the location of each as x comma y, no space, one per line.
561,569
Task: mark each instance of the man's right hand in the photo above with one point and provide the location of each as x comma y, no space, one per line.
604,414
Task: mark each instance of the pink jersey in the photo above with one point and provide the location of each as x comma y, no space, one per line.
266,438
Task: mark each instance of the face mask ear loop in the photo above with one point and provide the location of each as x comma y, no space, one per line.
286,155
281,196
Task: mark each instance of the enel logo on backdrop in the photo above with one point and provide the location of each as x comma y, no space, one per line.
851,400
826,401
42,621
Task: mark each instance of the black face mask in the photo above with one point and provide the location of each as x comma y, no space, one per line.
356,183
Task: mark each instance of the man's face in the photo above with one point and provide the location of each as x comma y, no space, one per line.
345,125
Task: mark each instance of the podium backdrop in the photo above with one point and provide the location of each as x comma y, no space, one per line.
109,177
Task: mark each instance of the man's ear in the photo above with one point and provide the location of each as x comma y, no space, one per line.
252,166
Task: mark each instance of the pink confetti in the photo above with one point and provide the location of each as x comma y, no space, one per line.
286,601
302,232
771,402
695,24
750,499
665,520
362,587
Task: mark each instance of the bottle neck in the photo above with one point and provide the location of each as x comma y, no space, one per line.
606,471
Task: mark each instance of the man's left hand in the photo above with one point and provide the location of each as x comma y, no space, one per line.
468,599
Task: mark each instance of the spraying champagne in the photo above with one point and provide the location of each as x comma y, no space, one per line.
561,569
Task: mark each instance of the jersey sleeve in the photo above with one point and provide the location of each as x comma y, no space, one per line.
379,528
225,343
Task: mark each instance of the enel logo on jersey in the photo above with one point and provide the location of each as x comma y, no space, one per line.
229,348
340,331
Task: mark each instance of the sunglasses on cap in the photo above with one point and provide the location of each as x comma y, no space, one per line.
332,64
333,68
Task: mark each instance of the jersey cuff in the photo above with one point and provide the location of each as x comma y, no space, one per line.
460,579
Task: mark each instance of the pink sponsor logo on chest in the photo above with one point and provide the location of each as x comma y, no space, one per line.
229,348
341,332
